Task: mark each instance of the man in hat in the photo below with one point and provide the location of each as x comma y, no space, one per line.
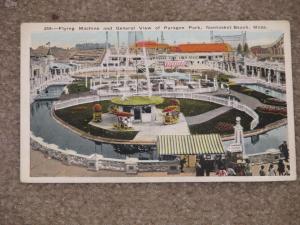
284,150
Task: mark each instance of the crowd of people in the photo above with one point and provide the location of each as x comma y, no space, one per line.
227,167
282,170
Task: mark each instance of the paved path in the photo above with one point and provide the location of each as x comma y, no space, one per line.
252,102
201,118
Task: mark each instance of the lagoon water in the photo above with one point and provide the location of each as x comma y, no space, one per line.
44,126
267,91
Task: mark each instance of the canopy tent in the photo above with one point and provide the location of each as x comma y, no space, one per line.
189,144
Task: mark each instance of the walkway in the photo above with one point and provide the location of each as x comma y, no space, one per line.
252,102
201,118
147,132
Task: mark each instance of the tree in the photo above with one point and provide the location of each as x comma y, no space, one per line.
239,49
246,49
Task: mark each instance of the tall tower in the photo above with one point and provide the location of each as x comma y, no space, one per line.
162,39
134,36
211,36
244,38
106,40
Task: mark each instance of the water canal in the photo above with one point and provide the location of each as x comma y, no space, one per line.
268,91
43,125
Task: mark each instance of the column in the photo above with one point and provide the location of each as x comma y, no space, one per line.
252,72
215,82
277,77
237,68
269,75
86,85
239,136
245,69
258,73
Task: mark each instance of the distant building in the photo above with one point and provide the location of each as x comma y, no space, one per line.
46,68
232,40
151,46
91,46
273,51
181,55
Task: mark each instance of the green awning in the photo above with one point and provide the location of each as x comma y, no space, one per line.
189,144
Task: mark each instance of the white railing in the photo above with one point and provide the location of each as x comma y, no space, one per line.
196,96
81,100
161,92
57,80
97,161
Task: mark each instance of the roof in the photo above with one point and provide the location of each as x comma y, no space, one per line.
189,144
186,48
205,47
150,44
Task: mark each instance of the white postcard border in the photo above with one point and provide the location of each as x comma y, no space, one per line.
28,28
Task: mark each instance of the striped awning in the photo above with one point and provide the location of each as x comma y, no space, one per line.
189,144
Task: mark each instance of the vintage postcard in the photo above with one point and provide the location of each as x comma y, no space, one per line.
157,102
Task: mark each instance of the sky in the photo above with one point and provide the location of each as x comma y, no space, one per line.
70,39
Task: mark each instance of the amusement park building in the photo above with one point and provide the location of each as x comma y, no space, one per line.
190,53
273,51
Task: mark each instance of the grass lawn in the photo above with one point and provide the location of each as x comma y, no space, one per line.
78,86
80,115
263,98
190,107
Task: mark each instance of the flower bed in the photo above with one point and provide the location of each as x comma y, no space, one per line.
224,127
228,119
80,115
273,110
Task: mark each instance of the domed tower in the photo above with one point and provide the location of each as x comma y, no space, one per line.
50,56
97,113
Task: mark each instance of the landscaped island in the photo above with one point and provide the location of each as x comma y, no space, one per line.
143,109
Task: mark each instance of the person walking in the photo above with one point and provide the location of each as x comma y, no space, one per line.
281,168
198,168
272,171
284,150
287,171
230,169
262,171
182,162
222,172
248,168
